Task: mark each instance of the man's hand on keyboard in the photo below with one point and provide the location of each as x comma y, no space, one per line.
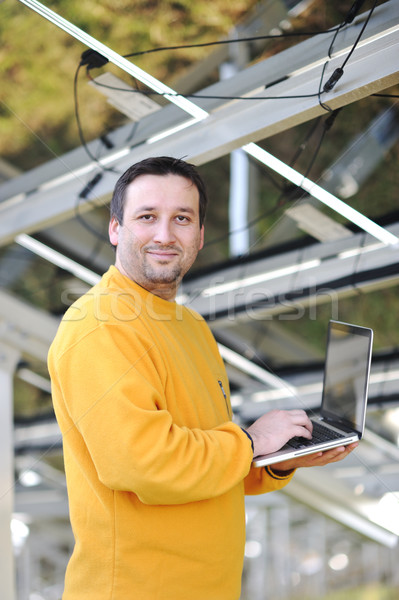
318,459
271,431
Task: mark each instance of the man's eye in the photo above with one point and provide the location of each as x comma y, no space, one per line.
182,219
146,217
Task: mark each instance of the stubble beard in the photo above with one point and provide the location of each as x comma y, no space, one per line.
153,277
171,275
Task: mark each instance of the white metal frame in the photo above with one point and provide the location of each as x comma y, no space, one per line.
372,68
47,195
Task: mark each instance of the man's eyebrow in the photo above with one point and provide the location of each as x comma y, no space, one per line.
144,208
187,209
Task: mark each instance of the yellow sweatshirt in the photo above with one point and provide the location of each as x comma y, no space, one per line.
155,467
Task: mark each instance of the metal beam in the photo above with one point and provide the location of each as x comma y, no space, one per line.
259,288
337,502
115,58
25,328
282,65
256,76
307,385
264,17
372,68
79,242
350,170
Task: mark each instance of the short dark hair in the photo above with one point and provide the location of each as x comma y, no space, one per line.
160,165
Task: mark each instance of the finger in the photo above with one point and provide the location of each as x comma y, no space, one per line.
353,446
298,412
304,432
336,454
342,449
301,418
319,459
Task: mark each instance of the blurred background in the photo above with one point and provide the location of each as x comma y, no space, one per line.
278,261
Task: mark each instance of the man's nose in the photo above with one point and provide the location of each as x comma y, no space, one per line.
164,232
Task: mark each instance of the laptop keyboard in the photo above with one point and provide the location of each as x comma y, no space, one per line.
320,434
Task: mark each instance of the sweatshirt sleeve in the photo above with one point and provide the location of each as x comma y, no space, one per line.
112,402
266,479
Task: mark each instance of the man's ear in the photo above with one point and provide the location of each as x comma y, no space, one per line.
202,233
113,231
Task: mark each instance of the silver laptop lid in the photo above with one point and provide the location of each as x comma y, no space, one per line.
346,375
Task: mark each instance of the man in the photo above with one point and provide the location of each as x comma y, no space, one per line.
156,469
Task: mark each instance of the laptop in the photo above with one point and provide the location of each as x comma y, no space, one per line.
344,398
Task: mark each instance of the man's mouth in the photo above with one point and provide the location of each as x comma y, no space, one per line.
162,254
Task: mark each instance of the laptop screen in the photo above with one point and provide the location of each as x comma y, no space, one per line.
346,374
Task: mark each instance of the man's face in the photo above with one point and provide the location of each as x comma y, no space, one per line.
161,235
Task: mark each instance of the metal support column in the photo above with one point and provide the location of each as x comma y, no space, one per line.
239,170
8,361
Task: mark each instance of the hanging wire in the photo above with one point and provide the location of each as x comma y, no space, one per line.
287,190
79,125
233,41
199,95
339,71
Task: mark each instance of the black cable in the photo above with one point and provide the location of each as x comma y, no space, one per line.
328,123
102,238
283,190
360,34
98,176
337,74
354,9
78,121
40,291
232,41
302,146
331,82
132,133
288,191
386,95
265,172
93,60
315,153
322,104
89,187
247,226
357,261
203,96
254,221
335,77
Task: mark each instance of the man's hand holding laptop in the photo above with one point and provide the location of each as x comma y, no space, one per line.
318,459
273,429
